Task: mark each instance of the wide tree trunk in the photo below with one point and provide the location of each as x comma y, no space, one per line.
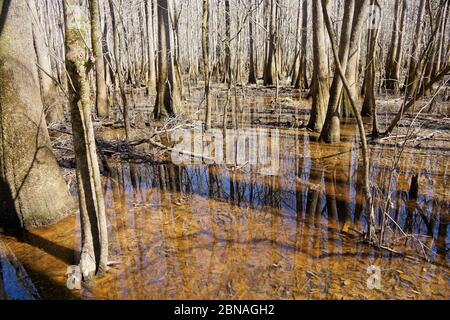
352,72
331,132
33,192
320,86
94,238
168,99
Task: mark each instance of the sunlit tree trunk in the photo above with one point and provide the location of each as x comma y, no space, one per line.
227,74
168,99
33,192
205,48
320,86
53,107
392,63
151,48
352,72
94,252
119,73
412,80
270,73
252,73
100,79
331,132
301,81
369,104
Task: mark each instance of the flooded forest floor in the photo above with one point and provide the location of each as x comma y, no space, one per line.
286,225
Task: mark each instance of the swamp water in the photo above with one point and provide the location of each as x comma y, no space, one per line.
235,231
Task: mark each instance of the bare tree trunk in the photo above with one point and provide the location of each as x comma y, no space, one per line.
295,62
362,134
151,48
413,81
94,252
227,72
302,75
392,71
352,72
270,69
320,87
168,99
100,80
120,81
331,132
205,48
54,111
369,83
33,192
252,73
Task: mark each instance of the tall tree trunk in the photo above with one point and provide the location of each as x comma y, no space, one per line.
33,192
227,75
295,64
368,201
252,73
101,98
205,50
151,48
270,73
331,132
320,86
412,80
54,110
119,76
302,75
168,99
352,72
392,76
369,83
94,251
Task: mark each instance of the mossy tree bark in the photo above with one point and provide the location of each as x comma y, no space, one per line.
94,252
33,192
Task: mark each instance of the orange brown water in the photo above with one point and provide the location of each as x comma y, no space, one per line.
207,232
